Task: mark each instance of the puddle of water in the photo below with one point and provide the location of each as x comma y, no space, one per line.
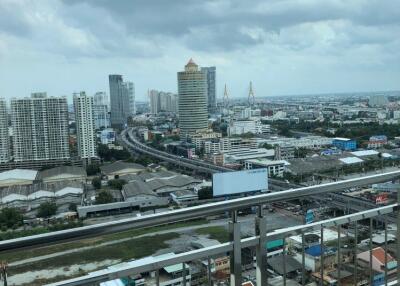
66,271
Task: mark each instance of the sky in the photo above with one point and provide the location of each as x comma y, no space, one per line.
282,46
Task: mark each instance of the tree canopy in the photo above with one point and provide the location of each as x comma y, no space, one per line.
104,197
47,209
10,218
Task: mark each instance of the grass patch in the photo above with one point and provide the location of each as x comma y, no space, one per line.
38,230
25,254
132,249
215,232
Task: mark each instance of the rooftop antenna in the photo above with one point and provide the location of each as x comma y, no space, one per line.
251,97
226,97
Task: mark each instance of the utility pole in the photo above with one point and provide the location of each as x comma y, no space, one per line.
3,272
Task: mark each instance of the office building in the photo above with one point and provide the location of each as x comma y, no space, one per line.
163,102
85,127
130,94
344,144
4,137
211,88
100,109
40,128
377,100
240,127
101,98
192,99
122,100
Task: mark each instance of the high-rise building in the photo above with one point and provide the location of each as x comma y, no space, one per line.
130,93
100,109
163,102
85,129
192,98
40,128
211,88
101,98
4,137
122,100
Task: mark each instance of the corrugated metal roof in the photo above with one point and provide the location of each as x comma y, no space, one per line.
364,153
351,160
18,174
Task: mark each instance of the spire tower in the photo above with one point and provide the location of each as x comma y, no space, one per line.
251,97
226,97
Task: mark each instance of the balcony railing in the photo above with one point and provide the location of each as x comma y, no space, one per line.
236,244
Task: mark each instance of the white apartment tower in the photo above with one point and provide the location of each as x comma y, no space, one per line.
85,127
163,102
192,99
40,128
4,137
100,109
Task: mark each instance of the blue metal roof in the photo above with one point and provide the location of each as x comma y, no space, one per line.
316,251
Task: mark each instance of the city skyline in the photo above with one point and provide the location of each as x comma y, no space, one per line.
330,48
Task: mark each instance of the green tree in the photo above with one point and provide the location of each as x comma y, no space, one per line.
10,218
92,169
268,146
111,155
72,207
104,197
301,152
116,184
96,183
47,209
205,193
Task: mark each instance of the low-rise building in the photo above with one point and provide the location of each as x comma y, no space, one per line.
17,177
29,197
344,144
119,168
378,260
240,127
241,155
376,142
275,168
309,142
107,136
159,186
63,174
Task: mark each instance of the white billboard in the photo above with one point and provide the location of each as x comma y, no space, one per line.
230,183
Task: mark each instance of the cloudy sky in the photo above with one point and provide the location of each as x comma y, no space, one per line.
283,46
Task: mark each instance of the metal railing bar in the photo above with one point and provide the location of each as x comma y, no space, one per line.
216,250
190,213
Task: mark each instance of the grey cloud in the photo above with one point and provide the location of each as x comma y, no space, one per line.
11,22
217,25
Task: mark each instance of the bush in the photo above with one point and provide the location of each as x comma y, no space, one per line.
47,209
104,197
206,193
110,154
10,218
116,184
92,169
72,207
96,183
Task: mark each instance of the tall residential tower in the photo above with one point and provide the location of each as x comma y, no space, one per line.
4,137
211,88
122,100
192,99
85,127
100,109
40,128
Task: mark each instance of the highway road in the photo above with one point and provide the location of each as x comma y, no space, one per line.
132,143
